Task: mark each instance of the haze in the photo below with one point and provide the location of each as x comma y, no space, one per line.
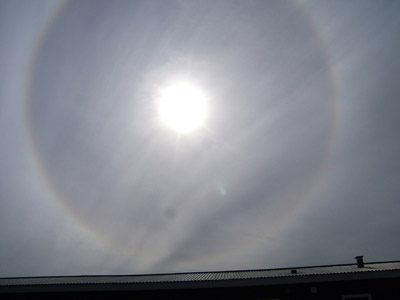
296,164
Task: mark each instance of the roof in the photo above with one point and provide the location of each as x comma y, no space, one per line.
210,279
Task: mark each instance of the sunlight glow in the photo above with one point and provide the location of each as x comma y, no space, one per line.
182,107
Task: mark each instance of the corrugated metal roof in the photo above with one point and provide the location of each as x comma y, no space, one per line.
201,276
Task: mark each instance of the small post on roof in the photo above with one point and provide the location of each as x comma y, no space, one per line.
360,261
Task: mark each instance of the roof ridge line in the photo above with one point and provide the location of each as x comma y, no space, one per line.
195,272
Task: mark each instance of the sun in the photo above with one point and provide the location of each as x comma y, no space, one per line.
182,107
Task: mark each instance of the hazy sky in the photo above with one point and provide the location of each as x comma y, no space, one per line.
297,162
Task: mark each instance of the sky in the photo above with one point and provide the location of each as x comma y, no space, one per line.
296,163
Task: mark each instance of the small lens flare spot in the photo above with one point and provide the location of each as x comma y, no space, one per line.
220,187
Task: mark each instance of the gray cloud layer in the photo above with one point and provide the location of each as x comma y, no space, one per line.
297,165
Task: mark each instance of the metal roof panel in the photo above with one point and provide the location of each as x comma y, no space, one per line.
201,276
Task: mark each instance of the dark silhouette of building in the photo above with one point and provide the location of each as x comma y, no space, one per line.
360,281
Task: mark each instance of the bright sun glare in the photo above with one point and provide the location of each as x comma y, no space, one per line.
183,107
